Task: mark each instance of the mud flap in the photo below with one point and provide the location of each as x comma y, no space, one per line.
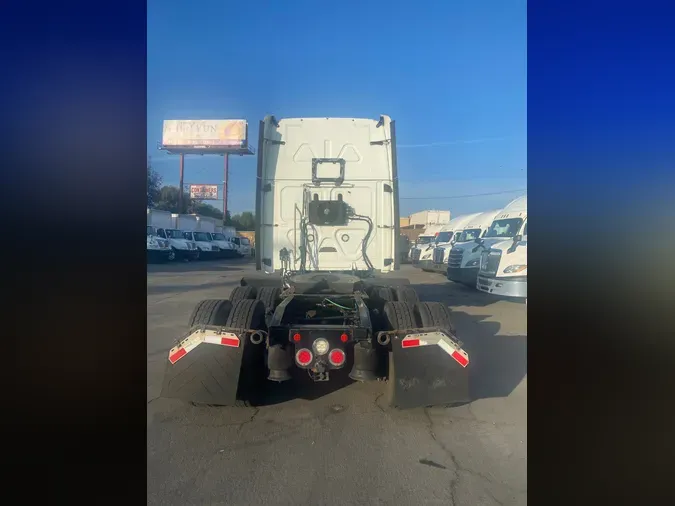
205,367
427,369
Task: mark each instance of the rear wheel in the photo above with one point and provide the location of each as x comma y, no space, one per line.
242,293
269,296
434,314
407,294
397,316
249,314
210,312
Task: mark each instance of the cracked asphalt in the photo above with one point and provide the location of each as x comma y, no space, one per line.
344,447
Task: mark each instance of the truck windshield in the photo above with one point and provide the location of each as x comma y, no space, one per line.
444,237
149,231
424,239
172,233
201,236
218,237
244,241
504,228
469,235
188,236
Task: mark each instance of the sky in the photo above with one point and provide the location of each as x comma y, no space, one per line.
453,74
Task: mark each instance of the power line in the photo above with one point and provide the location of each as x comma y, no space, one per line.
461,196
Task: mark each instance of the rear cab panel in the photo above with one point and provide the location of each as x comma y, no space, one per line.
290,166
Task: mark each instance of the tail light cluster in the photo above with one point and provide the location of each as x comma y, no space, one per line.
320,347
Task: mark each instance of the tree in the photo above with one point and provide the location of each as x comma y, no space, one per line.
204,209
154,184
244,221
168,200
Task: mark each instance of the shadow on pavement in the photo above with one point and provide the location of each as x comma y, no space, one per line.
498,363
163,289
200,265
454,294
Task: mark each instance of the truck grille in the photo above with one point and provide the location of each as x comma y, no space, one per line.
455,259
415,256
439,254
489,262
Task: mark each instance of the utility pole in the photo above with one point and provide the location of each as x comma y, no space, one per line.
226,156
180,187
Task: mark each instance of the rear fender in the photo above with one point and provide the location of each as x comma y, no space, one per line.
205,365
427,367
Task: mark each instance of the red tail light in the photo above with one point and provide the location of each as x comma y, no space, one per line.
297,337
336,357
344,338
304,357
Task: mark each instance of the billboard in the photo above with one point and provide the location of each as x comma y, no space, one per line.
204,191
205,133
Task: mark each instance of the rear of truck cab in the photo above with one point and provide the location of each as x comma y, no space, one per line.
347,167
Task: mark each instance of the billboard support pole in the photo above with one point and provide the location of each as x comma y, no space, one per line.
226,156
180,187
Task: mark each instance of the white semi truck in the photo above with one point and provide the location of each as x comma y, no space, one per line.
444,238
157,249
325,296
475,227
503,267
465,259
424,241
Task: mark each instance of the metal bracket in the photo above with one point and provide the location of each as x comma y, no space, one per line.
275,142
337,180
422,330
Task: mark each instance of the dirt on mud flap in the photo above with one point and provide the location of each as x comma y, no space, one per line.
205,366
427,367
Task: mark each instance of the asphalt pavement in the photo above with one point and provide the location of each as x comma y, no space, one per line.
345,447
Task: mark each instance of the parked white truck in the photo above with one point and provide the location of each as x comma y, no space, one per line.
227,248
181,248
475,227
157,249
478,260
444,238
207,248
462,267
503,267
424,241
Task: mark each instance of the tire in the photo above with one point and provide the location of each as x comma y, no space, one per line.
383,293
408,295
269,296
242,293
172,255
399,316
249,314
211,312
434,314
